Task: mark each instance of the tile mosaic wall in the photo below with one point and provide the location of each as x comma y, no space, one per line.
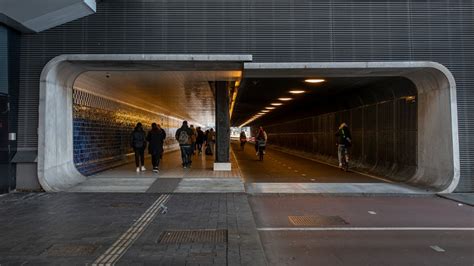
102,129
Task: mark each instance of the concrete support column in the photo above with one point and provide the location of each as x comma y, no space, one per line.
222,162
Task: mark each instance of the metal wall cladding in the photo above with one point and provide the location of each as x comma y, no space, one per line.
384,137
272,31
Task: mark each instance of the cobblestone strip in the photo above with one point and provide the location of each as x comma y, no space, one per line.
118,249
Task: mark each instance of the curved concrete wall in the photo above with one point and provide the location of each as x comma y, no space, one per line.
56,169
438,165
438,148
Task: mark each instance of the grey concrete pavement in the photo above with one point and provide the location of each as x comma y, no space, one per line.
77,228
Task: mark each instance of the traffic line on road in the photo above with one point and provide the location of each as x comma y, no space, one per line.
365,229
125,241
437,248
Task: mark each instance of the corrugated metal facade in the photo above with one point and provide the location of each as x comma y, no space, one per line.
272,31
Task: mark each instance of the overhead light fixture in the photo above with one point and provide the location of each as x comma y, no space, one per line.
265,111
270,108
314,80
285,99
276,104
297,91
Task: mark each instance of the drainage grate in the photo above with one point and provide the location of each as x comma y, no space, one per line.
194,236
316,220
70,250
126,204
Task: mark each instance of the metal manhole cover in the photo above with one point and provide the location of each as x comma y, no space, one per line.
194,236
316,220
126,204
69,250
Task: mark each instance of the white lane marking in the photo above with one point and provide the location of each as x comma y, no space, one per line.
372,212
437,248
303,174
125,241
289,167
296,171
365,229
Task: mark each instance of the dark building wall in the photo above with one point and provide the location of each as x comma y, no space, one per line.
272,31
102,129
9,89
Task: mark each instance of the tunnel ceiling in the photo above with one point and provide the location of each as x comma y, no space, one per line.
335,93
183,94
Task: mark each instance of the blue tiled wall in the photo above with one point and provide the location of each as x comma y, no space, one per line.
102,129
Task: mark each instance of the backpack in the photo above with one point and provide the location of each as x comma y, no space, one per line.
138,139
183,137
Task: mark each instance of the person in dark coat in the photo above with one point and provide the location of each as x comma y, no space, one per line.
156,137
184,137
199,139
138,143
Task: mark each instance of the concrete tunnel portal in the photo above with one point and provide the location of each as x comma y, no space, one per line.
71,85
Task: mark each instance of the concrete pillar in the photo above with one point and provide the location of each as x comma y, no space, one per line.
222,162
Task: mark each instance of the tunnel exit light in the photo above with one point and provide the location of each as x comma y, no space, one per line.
314,80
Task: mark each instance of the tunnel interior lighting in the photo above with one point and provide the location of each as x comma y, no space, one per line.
265,111
297,91
314,80
276,104
270,107
285,99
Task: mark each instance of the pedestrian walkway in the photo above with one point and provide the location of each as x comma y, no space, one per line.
128,229
200,178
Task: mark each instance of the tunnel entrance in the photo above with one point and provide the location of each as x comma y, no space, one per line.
417,98
108,104
402,116
90,103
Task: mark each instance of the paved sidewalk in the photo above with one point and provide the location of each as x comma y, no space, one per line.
77,228
172,178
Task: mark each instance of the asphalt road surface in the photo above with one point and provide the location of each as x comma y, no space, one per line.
282,167
396,230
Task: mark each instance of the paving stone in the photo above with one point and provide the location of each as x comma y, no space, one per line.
35,223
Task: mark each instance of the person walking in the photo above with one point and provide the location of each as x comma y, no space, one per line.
193,139
184,137
138,143
156,137
343,143
243,140
211,140
261,140
199,140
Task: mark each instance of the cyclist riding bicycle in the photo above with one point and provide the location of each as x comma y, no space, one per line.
343,142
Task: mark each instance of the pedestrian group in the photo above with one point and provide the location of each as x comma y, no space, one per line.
189,138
